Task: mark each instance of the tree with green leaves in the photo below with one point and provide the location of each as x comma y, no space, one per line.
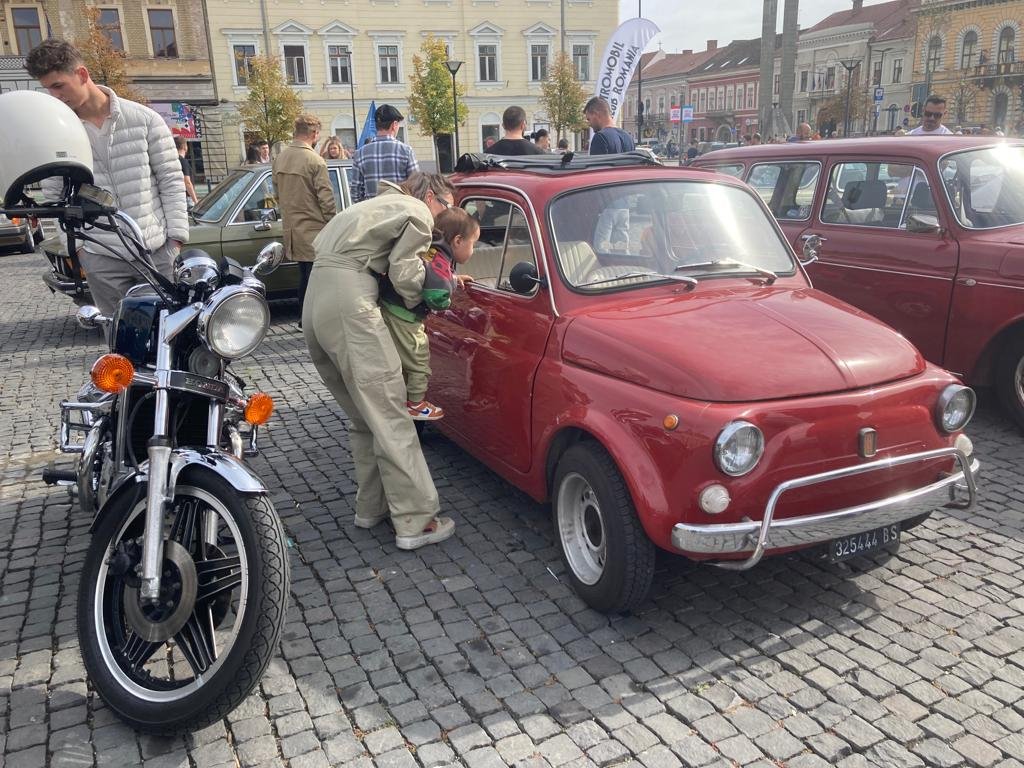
562,96
430,98
104,62
272,106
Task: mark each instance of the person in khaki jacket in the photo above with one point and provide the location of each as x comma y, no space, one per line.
356,357
304,197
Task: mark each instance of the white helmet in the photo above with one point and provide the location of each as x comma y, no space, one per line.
40,137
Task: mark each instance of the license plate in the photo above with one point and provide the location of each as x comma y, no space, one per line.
864,543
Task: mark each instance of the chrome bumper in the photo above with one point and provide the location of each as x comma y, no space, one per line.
758,536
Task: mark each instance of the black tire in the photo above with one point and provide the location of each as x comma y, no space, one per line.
234,674
1009,379
590,500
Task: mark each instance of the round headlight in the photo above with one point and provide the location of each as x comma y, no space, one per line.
738,448
955,407
234,321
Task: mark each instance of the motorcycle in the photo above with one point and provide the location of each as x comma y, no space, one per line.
183,591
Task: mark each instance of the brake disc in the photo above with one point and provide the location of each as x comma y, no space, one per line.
178,586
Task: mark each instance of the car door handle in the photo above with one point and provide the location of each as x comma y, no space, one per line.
811,234
263,226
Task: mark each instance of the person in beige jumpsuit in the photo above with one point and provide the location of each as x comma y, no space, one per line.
355,356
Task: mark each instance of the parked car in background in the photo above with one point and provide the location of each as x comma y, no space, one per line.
18,235
640,346
926,234
236,219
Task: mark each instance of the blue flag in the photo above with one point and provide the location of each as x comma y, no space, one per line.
370,126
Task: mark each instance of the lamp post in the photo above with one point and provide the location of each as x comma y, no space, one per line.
352,95
453,67
849,65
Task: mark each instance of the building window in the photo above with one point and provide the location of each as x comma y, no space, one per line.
581,62
1006,47
803,81
27,30
750,95
933,59
703,101
969,50
109,22
538,62
1000,107
488,55
830,79
729,98
388,55
295,64
876,73
243,55
161,29
897,71
775,85
338,60
801,116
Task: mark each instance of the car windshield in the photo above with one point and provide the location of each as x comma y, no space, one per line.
986,186
214,205
621,235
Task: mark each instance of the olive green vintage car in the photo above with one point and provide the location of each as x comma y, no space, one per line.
237,218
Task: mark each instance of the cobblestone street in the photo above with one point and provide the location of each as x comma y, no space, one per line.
476,652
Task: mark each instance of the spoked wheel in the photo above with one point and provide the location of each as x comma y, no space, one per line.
609,557
188,659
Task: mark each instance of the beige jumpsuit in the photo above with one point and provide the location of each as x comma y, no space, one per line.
355,356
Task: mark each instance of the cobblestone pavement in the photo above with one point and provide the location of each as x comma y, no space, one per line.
475,652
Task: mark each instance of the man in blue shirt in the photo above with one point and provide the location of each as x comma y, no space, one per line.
384,158
607,138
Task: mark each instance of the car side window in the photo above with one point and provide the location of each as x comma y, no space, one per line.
504,242
875,194
263,198
731,169
332,174
786,188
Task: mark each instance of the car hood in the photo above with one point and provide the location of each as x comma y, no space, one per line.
740,345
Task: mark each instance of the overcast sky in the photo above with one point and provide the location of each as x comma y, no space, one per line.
691,24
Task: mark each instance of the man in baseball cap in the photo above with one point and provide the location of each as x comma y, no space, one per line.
384,158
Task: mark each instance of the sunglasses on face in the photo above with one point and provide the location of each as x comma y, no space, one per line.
934,115
442,201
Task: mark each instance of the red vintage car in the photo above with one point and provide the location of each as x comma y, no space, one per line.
924,233
641,347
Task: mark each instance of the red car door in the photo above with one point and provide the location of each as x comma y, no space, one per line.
877,252
485,349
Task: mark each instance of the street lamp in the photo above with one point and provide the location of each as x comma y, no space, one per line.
849,65
453,67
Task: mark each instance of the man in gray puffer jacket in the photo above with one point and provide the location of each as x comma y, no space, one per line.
133,157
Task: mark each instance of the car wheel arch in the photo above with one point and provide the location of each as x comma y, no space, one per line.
983,372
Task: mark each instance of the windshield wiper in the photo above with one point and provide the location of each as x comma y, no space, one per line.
769,276
691,282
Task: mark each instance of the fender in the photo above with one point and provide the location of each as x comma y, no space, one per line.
184,462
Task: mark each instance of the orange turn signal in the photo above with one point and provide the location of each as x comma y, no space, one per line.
112,373
670,422
259,408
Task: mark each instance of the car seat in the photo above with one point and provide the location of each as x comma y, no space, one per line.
578,260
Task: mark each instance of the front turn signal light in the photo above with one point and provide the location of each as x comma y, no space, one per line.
259,408
112,373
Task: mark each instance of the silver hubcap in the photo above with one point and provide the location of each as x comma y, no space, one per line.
1018,381
581,529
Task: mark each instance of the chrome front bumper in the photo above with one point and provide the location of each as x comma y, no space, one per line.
758,536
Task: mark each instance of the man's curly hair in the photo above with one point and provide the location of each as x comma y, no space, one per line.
53,56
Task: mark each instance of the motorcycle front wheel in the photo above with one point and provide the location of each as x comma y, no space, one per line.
192,657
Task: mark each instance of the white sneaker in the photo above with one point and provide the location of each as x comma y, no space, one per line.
437,530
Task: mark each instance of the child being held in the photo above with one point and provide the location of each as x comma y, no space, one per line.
455,235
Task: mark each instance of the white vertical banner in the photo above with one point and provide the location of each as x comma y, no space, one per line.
621,58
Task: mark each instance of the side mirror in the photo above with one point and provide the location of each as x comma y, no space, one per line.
270,258
812,246
523,277
90,317
922,223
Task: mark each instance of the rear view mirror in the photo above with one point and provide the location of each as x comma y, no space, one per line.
523,277
270,258
922,223
811,248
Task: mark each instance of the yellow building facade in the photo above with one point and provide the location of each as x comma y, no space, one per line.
339,55
970,52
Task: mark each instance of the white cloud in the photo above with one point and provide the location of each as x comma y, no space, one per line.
687,25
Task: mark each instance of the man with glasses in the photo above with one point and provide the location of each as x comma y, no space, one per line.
931,125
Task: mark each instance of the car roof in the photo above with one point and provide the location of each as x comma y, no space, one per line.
920,146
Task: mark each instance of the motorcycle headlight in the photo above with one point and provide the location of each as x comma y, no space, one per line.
955,407
738,448
234,321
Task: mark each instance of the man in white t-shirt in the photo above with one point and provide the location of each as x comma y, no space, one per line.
931,125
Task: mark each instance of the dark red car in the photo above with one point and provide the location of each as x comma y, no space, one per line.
924,233
641,347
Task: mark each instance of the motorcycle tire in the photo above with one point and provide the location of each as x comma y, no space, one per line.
121,659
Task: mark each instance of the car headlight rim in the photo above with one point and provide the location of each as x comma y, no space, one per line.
218,311
726,441
951,400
